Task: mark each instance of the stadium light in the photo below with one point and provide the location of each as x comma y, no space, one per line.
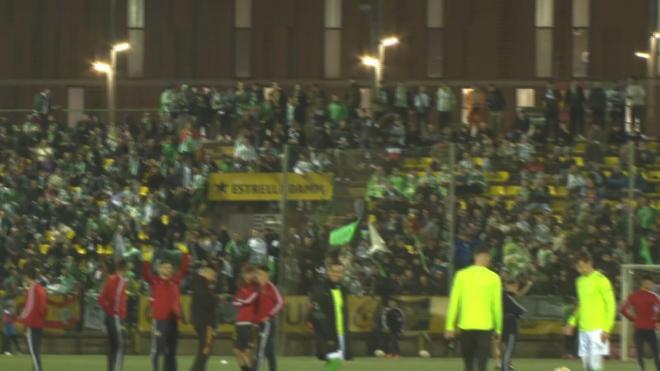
102,67
377,65
110,70
382,45
644,55
656,35
370,61
389,41
121,47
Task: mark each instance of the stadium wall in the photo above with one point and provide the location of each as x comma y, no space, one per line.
188,40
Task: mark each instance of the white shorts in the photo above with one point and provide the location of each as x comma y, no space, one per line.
591,344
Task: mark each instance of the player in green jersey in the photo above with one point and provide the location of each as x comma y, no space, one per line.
594,315
476,304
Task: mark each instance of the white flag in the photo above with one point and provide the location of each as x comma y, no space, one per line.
377,243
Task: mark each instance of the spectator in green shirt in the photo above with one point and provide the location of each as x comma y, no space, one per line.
336,110
645,214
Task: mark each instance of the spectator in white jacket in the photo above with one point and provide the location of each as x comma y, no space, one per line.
635,99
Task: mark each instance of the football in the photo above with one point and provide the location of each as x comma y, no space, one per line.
379,353
562,368
424,353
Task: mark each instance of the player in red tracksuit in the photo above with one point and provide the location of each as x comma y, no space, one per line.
34,316
165,308
246,302
269,303
113,302
646,313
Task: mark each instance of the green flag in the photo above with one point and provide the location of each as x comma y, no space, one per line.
343,235
644,251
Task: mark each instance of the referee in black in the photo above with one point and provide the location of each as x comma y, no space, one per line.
204,320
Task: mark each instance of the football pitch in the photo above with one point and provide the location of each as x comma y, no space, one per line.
141,363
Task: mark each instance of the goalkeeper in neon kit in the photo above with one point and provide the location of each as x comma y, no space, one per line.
475,306
594,315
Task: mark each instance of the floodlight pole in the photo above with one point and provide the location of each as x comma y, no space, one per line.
112,105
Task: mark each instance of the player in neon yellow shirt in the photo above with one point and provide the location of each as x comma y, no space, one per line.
475,304
595,314
329,317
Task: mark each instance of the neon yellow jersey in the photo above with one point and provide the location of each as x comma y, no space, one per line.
475,300
338,301
596,308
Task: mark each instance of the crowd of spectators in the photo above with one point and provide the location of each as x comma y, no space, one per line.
73,197
535,219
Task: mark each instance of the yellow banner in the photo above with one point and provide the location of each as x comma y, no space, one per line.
438,313
295,314
268,187
361,311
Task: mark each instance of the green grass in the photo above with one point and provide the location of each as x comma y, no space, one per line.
141,363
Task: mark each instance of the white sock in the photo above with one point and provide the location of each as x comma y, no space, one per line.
596,362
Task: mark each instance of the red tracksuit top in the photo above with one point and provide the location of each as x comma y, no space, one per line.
36,307
269,302
165,292
646,305
246,301
113,296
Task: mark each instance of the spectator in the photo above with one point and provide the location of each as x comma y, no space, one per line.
615,184
496,104
635,99
616,106
475,99
575,182
401,100
353,98
598,105
445,102
300,98
336,110
392,322
397,133
258,249
551,99
422,106
42,107
575,101
9,333
303,165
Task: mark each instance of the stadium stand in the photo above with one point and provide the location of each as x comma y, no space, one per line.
75,197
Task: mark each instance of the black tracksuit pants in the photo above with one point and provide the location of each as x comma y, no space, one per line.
475,346
163,343
116,343
649,337
204,346
266,346
34,345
